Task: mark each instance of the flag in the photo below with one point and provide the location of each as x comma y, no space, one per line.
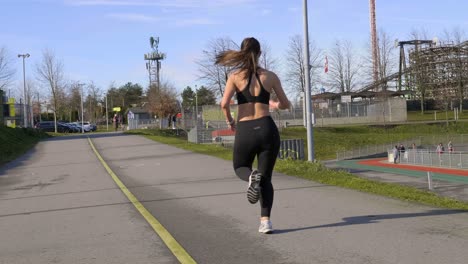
326,64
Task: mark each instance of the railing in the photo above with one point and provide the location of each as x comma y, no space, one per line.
368,151
455,159
292,149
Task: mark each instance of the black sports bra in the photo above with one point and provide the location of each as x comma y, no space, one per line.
245,96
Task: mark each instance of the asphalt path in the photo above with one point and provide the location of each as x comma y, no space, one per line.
59,204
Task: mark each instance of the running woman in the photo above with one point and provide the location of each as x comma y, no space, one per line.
256,132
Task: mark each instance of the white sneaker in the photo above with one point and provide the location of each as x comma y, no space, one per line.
265,227
253,192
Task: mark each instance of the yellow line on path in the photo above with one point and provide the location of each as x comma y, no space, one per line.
174,246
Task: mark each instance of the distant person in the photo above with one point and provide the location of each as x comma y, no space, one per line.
440,149
450,147
174,120
395,153
401,150
256,132
116,122
414,146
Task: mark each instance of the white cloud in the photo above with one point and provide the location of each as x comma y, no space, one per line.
133,17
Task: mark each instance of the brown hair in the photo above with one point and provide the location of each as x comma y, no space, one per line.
244,59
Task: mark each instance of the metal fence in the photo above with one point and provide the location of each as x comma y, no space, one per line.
455,159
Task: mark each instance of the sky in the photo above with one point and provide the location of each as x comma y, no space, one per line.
104,41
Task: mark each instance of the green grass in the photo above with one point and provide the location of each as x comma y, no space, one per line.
434,116
315,172
329,140
16,141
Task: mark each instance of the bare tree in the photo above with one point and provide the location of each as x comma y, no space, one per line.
295,74
74,100
6,72
418,78
460,76
215,75
267,61
387,59
162,101
344,67
94,96
50,73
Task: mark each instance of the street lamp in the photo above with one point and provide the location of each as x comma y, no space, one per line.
82,110
25,118
308,98
196,104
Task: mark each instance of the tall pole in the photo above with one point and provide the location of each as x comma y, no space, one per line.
308,98
25,111
107,116
196,104
82,110
30,99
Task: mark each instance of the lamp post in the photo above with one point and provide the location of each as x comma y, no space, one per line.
107,116
196,104
310,133
25,118
82,110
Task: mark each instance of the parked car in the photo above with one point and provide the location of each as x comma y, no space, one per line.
49,126
86,126
74,127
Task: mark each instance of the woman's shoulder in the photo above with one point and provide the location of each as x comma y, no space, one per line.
267,73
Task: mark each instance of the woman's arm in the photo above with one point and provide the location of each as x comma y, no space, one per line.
283,102
229,91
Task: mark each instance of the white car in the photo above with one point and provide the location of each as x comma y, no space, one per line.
86,126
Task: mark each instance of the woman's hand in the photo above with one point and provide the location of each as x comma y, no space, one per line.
274,105
231,124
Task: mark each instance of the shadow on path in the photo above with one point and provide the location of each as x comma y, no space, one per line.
370,219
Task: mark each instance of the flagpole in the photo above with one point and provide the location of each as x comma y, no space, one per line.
310,132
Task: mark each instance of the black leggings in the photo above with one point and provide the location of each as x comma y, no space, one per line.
258,137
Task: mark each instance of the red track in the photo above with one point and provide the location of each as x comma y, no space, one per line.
380,163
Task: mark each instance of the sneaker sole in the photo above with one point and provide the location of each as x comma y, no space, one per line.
270,231
253,194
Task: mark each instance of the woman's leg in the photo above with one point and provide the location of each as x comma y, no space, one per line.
266,163
244,153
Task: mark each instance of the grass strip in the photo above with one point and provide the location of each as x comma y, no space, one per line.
14,142
316,172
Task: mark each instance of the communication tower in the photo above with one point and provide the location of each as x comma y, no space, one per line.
153,62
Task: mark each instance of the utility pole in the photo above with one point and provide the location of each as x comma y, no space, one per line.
196,104
308,98
25,117
107,116
82,109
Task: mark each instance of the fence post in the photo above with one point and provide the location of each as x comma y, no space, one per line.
429,180
461,164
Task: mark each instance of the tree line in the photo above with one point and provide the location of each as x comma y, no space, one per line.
348,70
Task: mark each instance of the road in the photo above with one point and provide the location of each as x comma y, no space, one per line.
59,204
